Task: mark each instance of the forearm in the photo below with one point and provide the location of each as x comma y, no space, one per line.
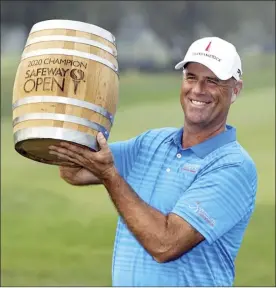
146,223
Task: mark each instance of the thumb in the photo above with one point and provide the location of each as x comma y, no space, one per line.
102,141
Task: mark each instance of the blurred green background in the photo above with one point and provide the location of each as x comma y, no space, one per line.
56,234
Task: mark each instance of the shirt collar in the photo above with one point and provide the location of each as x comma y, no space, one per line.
206,147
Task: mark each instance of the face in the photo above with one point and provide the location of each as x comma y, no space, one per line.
205,99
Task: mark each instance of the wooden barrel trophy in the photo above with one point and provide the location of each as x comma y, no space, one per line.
66,88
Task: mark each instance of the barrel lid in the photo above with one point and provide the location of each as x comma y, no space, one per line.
74,25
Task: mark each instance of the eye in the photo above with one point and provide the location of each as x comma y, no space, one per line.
190,77
212,82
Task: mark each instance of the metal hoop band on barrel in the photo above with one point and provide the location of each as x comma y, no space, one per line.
72,39
69,52
64,100
74,25
56,133
61,117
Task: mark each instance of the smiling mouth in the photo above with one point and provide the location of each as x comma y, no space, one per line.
199,103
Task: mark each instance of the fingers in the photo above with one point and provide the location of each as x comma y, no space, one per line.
78,154
62,156
66,154
102,141
65,151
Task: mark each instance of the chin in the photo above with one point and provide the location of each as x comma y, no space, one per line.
200,121
195,116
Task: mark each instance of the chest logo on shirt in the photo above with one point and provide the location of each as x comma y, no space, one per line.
193,168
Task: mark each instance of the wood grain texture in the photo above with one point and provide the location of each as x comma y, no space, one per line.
61,109
73,46
68,32
65,76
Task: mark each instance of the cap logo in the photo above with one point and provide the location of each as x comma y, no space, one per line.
207,55
208,46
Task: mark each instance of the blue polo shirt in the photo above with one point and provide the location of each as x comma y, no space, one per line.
211,185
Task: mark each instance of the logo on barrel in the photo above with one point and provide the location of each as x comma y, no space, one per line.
77,76
49,78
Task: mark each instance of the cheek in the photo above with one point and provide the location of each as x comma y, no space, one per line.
223,96
183,94
184,90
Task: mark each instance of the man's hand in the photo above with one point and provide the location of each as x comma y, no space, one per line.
78,176
100,164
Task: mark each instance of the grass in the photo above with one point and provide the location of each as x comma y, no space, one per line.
56,234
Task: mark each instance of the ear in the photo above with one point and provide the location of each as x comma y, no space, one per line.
236,91
234,97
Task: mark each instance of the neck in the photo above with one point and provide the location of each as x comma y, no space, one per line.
194,135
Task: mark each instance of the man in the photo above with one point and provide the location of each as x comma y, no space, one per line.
184,196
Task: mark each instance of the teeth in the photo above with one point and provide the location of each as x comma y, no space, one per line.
198,102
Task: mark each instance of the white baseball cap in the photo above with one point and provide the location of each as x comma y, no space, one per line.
220,56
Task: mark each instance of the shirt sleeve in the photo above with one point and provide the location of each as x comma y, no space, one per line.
217,200
125,153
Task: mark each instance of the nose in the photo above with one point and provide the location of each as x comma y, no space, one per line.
198,87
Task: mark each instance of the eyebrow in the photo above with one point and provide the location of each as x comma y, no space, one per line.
208,77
